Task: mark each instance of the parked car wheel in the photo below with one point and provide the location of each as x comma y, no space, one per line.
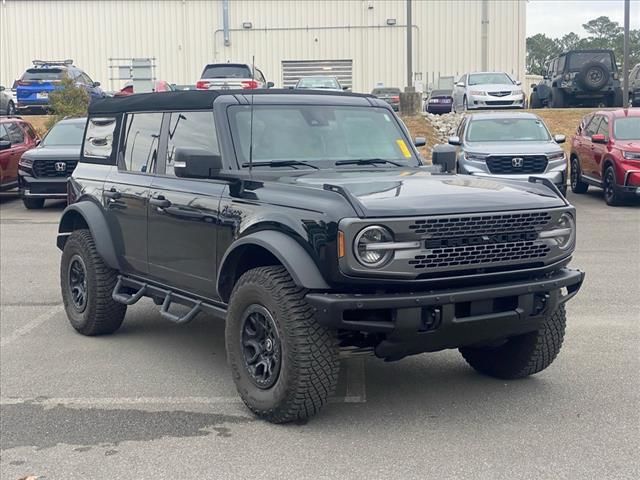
11,108
577,185
534,101
611,196
87,284
33,203
616,99
284,364
523,355
465,104
557,98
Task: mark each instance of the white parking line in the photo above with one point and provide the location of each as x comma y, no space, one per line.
26,328
107,401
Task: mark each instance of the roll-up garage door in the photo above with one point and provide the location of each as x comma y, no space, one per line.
294,70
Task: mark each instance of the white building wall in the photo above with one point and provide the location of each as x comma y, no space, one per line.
183,35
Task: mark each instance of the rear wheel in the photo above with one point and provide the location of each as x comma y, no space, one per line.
33,203
616,99
523,355
577,185
611,195
534,101
11,108
557,98
284,364
87,284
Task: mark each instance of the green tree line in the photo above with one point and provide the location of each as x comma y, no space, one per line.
602,32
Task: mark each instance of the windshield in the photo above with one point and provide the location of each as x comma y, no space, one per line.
318,133
507,129
489,78
226,71
577,60
627,128
64,134
386,91
318,82
44,74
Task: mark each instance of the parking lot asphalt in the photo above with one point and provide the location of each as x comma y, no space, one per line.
157,401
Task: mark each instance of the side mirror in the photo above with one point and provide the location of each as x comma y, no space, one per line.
345,88
270,84
598,138
455,140
518,82
96,84
460,84
5,144
419,141
445,156
196,163
2,89
559,138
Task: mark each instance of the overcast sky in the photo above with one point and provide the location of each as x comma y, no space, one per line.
555,18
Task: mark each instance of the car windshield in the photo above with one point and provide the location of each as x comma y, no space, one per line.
64,134
226,71
577,60
319,133
507,130
43,74
489,78
627,128
386,91
318,82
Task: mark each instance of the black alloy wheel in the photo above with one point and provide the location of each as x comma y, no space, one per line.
77,278
261,347
609,187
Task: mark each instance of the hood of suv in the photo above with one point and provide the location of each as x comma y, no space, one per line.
416,191
513,148
70,152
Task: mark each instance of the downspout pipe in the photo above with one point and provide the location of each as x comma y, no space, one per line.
225,22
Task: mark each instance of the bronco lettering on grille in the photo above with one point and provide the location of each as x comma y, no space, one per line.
480,240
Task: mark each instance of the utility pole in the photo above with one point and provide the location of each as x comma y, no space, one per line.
625,55
409,47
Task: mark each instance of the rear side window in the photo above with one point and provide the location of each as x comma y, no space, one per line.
141,139
4,135
226,71
592,128
192,130
16,135
44,74
98,141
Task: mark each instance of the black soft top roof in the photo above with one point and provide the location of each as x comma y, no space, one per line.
190,99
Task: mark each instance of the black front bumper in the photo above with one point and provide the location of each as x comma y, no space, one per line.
42,187
436,320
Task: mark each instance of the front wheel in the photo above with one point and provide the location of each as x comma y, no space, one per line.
523,355
611,195
11,108
284,364
577,185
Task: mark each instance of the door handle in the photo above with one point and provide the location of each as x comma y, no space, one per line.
112,193
159,202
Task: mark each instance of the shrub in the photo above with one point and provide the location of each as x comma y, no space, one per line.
67,101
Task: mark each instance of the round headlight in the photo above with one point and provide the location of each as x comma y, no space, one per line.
365,246
567,225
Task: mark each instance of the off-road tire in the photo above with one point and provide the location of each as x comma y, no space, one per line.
557,98
309,352
102,315
577,185
523,355
534,101
611,195
589,78
33,203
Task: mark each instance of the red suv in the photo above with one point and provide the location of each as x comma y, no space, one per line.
605,152
16,137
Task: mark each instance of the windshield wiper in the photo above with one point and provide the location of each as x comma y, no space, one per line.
366,161
279,163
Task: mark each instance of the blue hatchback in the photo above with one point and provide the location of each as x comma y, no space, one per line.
39,81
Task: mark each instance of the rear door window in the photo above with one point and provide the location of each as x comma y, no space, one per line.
592,127
98,141
141,142
16,135
603,128
226,71
190,130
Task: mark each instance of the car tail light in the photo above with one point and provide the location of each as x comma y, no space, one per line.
22,83
395,98
202,85
249,84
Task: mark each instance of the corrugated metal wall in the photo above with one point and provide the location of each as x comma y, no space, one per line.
183,35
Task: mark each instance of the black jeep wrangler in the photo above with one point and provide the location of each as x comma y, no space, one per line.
309,223
586,78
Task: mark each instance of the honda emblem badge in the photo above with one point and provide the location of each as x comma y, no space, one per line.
517,162
61,166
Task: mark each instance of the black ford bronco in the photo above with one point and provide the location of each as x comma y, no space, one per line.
308,222
587,78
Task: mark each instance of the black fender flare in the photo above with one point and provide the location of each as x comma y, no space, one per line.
95,220
286,250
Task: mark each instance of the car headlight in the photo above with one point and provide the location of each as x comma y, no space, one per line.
25,162
564,233
631,155
475,157
516,92
371,246
477,92
555,156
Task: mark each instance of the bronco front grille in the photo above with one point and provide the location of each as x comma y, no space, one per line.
525,164
484,224
54,168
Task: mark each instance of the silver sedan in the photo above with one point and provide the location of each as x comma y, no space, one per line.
487,90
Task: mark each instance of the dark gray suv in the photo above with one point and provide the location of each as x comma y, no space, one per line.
588,78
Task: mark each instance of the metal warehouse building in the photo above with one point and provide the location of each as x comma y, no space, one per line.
362,41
